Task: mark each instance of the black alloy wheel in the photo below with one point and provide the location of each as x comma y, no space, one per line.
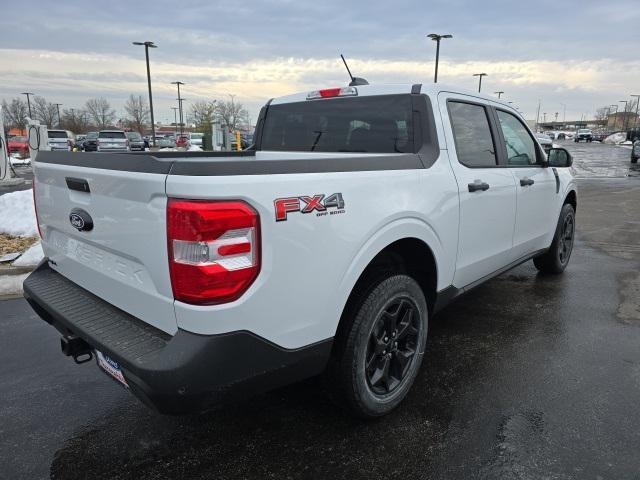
392,345
566,240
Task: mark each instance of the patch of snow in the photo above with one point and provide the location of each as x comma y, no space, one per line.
31,257
12,284
616,138
17,216
194,148
16,160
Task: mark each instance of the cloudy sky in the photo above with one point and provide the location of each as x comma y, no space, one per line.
582,54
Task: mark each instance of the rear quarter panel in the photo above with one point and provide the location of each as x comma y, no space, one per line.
310,263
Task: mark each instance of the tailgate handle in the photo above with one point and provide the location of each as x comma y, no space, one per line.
79,184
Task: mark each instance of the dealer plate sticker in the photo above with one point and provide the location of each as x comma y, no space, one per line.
111,367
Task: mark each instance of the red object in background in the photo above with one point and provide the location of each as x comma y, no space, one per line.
19,145
182,141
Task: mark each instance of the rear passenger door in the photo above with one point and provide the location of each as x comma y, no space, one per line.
535,184
486,190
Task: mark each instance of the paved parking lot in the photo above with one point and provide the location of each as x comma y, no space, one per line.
527,376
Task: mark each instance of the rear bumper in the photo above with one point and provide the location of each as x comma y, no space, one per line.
180,374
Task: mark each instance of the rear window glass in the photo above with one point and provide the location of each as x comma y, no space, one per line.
376,124
111,135
197,135
56,134
18,139
135,136
92,135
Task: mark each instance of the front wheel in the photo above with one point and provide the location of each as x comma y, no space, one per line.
556,259
379,350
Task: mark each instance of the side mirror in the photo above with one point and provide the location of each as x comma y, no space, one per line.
559,157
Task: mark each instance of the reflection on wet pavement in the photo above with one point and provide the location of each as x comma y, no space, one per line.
598,160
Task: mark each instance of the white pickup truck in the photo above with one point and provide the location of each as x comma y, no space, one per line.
196,277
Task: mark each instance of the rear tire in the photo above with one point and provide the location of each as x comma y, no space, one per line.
634,159
556,259
378,351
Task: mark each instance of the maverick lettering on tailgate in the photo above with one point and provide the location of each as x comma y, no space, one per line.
331,205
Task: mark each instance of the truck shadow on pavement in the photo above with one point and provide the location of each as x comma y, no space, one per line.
505,386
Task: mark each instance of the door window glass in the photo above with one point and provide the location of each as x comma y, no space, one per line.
521,149
472,135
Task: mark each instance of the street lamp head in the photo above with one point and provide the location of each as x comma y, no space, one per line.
435,37
177,83
27,93
146,44
480,75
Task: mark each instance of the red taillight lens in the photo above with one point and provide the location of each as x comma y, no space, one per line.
35,207
332,92
214,249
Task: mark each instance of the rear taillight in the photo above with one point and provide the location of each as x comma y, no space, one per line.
214,249
35,207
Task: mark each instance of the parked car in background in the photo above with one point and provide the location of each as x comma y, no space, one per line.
195,138
583,134
90,143
112,141
598,137
61,140
635,151
136,142
182,141
545,141
18,146
165,142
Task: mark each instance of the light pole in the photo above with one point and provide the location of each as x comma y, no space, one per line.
147,46
544,116
499,94
58,108
436,38
564,112
180,112
635,120
175,119
624,120
479,75
28,101
178,83
538,114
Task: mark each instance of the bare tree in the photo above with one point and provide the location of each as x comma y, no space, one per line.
602,113
233,114
45,111
76,120
137,113
203,113
15,113
100,112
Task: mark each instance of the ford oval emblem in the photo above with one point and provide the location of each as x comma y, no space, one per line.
80,220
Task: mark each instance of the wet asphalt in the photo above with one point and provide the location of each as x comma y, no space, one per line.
526,377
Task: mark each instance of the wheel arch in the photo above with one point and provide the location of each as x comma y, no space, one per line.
416,255
572,199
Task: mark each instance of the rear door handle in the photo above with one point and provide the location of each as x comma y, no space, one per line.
526,182
478,185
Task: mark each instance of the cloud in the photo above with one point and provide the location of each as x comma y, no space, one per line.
581,56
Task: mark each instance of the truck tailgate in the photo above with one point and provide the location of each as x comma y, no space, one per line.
123,257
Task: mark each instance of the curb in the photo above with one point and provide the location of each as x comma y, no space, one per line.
11,270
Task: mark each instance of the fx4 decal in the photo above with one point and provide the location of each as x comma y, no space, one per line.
309,204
